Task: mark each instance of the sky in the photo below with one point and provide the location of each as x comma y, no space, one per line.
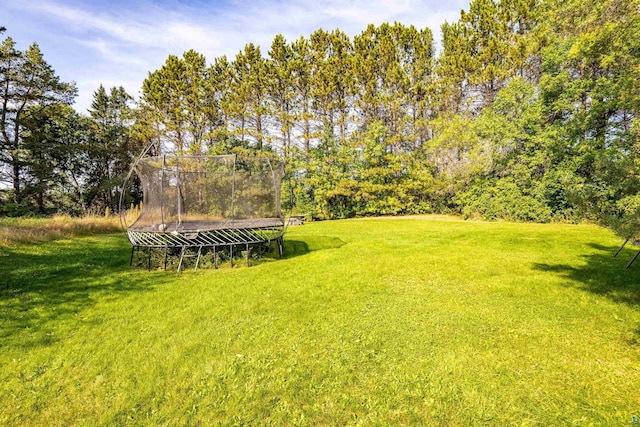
119,42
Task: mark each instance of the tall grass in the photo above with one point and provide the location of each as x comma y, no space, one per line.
26,230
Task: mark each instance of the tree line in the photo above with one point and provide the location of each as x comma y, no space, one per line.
529,112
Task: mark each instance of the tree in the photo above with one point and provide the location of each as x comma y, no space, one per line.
341,65
331,84
452,87
301,73
247,101
219,82
485,48
393,72
179,98
592,97
110,149
280,90
55,142
27,82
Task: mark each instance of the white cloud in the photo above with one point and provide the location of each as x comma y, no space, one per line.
122,43
109,52
80,20
135,30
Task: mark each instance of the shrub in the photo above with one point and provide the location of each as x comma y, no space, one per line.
503,200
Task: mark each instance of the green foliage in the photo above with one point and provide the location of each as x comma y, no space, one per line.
178,97
28,83
55,159
366,178
490,44
512,185
502,199
591,95
15,210
394,65
245,98
110,149
529,113
56,142
281,90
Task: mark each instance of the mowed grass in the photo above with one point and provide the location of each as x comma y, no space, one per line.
418,321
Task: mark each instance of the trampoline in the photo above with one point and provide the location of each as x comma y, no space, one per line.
192,204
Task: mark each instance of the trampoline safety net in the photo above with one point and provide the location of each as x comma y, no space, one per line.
207,201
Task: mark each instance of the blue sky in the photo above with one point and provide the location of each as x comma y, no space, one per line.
117,43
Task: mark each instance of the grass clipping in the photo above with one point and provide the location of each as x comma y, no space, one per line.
27,230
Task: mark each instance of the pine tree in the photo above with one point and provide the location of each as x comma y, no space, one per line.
281,91
248,96
301,73
26,82
177,96
110,149
55,143
394,64
321,82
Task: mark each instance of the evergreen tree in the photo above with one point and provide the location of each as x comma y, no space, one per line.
55,141
110,149
219,84
301,73
486,47
27,82
248,96
393,76
321,82
178,97
281,91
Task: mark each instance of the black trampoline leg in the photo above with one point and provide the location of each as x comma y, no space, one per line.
131,259
149,260
620,249
165,258
231,255
280,247
633,259
247,247
215,258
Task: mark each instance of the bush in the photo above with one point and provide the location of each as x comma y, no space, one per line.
13,210
503,200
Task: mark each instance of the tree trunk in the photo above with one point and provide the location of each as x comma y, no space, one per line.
17,195
40,200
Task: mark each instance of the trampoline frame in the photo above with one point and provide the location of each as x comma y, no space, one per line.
635,241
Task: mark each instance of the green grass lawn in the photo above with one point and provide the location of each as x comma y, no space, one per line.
420,321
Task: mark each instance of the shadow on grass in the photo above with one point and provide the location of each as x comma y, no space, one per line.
292,249
43,284
602,274
295,248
